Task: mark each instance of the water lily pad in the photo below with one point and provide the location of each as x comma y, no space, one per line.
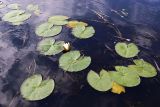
14,6
16,16
100,82
125,77
74,23
49,46
143,68
126,50
48,30
73,62
32,7
82,32
58,20
34,88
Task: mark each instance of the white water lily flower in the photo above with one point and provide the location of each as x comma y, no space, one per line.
67,46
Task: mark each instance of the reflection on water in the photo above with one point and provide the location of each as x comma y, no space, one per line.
136,20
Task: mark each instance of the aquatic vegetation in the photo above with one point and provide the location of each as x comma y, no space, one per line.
125,77
14,6
74,23
34,88
73,61
126,50
83,32
49,46
117,89
16,16
101,81
58,20
48,29
34,8
67,46
143,68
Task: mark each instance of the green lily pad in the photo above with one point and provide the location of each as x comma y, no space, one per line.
58,20
34,88
143,68
48,30
73,62
49,46
125,77
16,16
32,7
83,32
100,82
126,50
14,6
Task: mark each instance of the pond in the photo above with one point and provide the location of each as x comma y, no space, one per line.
133,21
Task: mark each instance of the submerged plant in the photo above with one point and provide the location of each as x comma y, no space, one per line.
73,61
126,50
34,88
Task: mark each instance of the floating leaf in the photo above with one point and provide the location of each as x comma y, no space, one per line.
73,62
101,82
16,16
14,6
125,77
143,68
32,7
2,5
126,50
48,30
74,23
34,88
49,46
82,32
116,88
58,20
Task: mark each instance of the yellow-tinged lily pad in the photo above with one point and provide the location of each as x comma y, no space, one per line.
143,68
125,77
116,88
126,50
73,61
100,82
49,46
34,88
83,32
74,23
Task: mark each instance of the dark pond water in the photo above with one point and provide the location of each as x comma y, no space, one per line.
121,20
